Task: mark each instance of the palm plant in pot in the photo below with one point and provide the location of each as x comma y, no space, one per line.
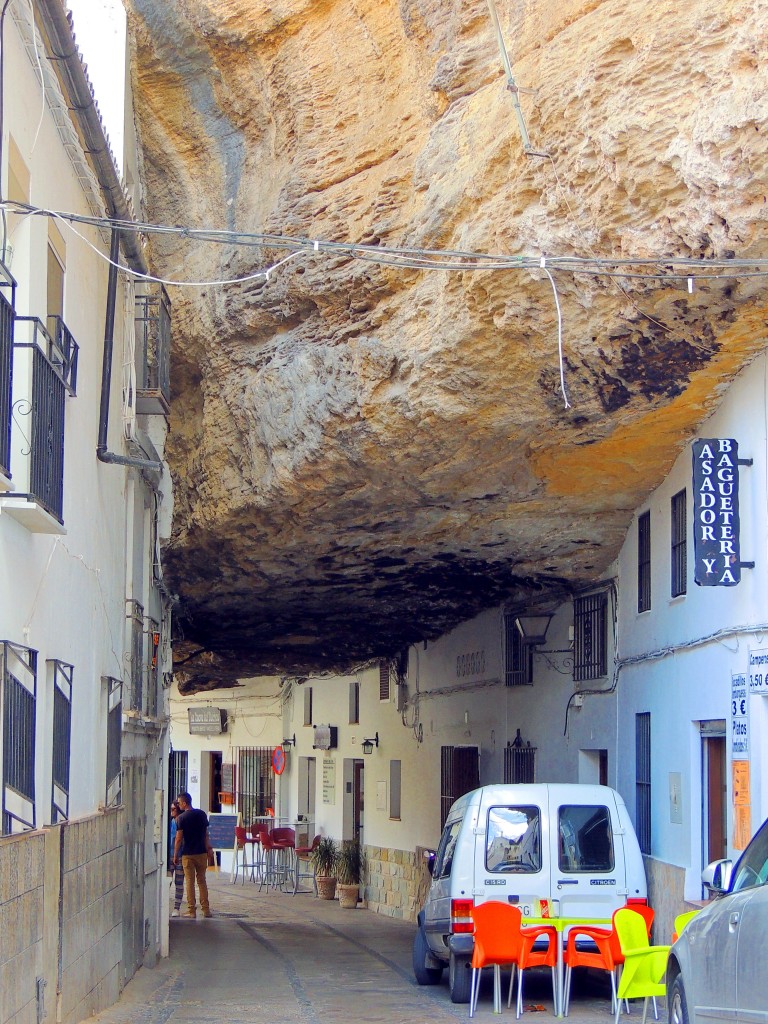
325,858
349,871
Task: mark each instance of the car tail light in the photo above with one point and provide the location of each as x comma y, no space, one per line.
634,901
461,916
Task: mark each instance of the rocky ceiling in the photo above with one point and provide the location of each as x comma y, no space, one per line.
365,454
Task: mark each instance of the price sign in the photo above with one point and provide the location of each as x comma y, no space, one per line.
758,671
739,718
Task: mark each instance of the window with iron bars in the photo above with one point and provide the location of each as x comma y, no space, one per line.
62,733
44,371
153,351
518,657
644,562
679,544
7,303
135,617
114,740
18,699
255,781
520,764
643,780
590,631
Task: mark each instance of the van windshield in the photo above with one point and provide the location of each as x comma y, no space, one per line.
513,839
586,839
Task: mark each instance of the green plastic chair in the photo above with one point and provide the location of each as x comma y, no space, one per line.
644,965
681,921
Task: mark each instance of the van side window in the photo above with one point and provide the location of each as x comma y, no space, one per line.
586,838
446,850
513,839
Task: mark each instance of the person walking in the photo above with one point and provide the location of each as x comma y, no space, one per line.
176,865
192,835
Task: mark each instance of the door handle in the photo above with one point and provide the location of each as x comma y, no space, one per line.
567,881
733,920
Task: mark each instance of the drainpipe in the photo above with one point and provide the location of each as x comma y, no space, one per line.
106,371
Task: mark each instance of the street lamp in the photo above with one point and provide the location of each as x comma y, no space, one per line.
533,628
368,745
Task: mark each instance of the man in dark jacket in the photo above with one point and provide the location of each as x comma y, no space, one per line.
192,834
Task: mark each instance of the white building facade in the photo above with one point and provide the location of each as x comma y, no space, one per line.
84,617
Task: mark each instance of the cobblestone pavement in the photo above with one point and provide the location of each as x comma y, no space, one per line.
275,957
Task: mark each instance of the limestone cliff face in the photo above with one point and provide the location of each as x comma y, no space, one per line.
366,454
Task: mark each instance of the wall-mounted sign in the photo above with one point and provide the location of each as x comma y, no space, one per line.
326,737
758,670
739,718
717,557
329,780
207,721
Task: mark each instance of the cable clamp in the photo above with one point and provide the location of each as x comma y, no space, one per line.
316,246
543,262
690,286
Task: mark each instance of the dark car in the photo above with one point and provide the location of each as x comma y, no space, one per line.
718,968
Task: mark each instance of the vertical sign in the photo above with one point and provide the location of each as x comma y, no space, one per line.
329,780
717,558
740,760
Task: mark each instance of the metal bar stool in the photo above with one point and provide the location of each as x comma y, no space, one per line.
303,855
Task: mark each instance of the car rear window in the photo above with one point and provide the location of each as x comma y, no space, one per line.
513,840
586,838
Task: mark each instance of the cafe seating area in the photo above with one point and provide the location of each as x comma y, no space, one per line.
267,854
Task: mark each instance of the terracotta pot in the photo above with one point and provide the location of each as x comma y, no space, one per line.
326,887
348,895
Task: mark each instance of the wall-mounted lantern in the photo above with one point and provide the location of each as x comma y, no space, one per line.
533,628
368,745
290,741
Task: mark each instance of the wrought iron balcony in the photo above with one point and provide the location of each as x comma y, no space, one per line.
7,304
153,353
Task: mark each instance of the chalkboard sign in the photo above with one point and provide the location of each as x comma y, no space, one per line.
221,828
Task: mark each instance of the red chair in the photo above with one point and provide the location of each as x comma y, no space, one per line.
284,840
501,940
242,842
304,856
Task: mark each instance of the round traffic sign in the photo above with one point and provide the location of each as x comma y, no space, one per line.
278,760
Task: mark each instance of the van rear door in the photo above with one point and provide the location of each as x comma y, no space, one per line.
587,853
511,851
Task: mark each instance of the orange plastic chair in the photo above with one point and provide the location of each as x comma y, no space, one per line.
500,940
601,960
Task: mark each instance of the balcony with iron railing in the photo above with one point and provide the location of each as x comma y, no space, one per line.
153,353
44,371
7,306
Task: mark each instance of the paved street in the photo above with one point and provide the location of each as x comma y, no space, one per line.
268,957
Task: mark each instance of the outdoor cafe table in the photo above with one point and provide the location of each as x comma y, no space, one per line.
560,924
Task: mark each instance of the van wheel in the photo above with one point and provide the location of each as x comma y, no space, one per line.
678,1007
459,978
424,975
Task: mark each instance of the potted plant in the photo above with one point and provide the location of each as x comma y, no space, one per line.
325,858
350,870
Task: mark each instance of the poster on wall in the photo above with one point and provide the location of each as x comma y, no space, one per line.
329,780
758,670
740,760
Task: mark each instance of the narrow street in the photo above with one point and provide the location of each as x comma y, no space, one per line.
270,956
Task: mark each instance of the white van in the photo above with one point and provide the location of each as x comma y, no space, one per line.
572,845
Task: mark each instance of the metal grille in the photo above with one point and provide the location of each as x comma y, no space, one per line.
114,739
6,376
153,346
62,732
644,562
135,615
643,780
177,773
589,636
383,680
679,544
518,657
18,690
63,352
256,782
354,703
520,764
459,774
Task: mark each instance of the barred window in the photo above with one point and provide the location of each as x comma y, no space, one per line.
643,780
518,657
18,703
114,740
307,705
679,544
62,734
383,680
644,562
590,636
354,703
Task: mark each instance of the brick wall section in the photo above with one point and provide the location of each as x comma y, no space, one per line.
394,882
22,861
73,945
